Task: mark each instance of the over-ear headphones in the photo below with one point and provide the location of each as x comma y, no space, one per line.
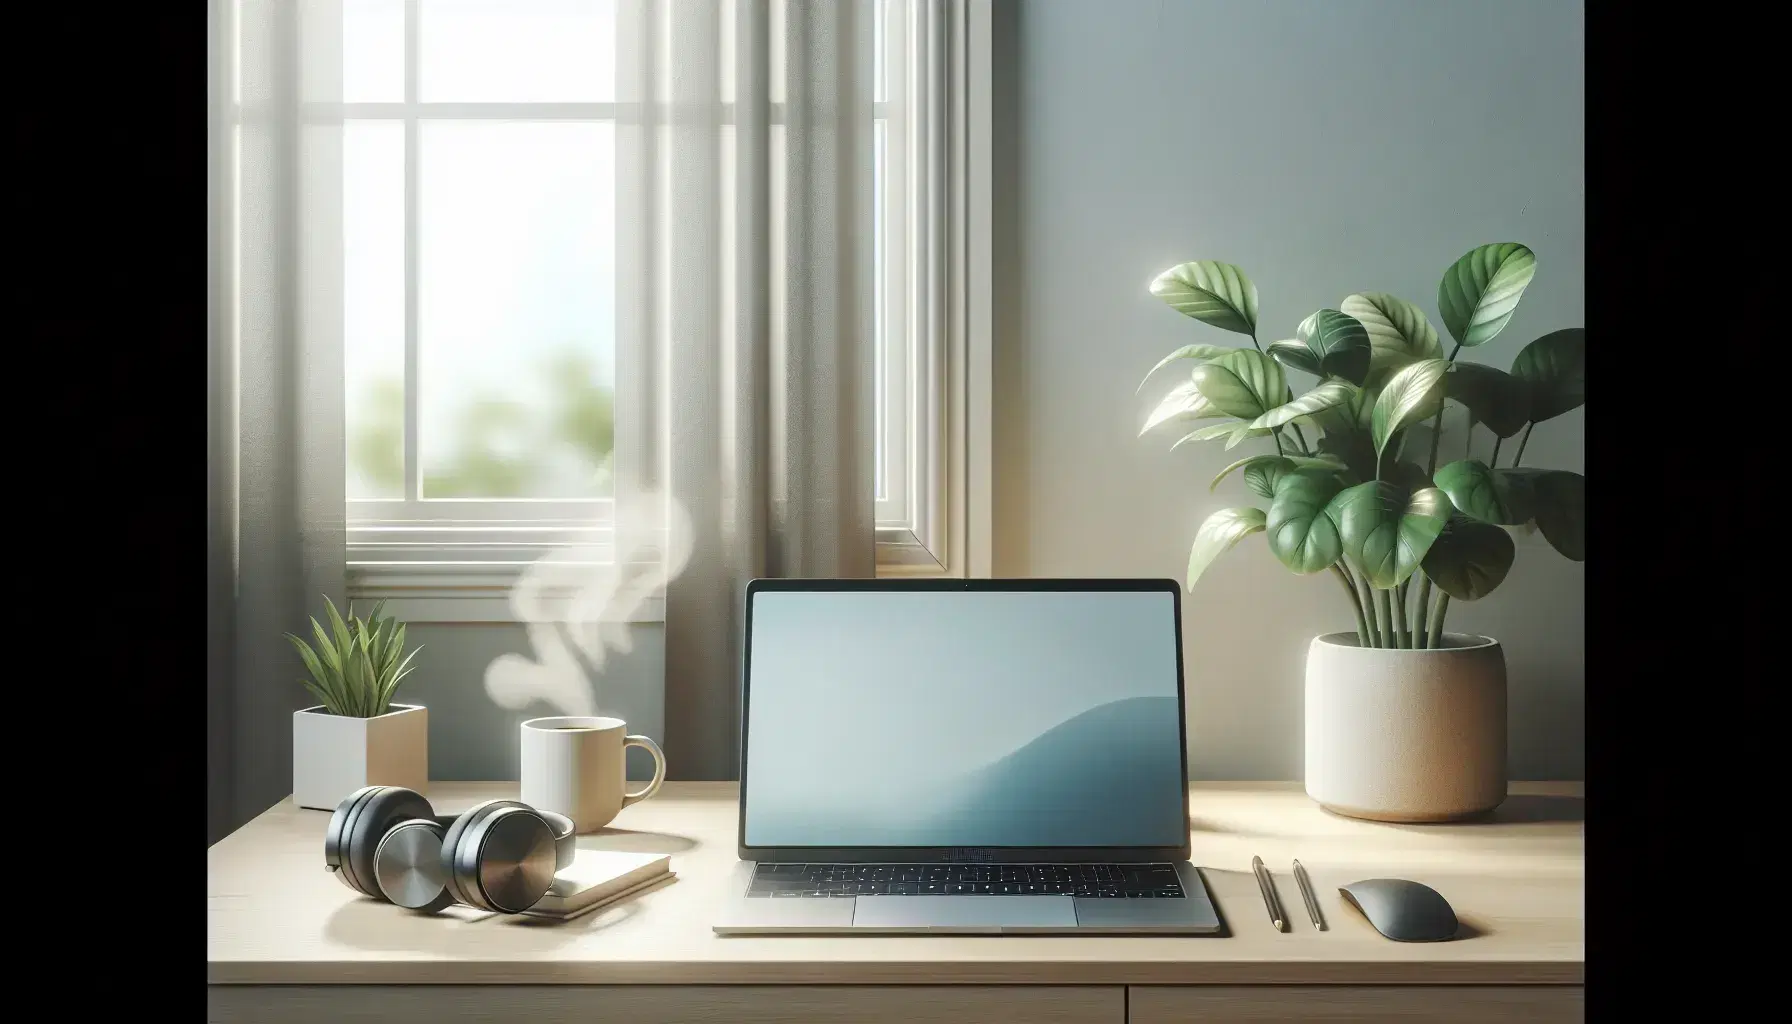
388,842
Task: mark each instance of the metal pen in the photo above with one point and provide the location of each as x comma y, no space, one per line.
1269,892
1306,892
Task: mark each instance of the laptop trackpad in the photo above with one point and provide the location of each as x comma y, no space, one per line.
964,913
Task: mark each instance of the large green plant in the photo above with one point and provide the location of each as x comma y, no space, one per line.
356,666
1354,487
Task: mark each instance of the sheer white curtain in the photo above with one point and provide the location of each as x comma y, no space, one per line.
275,495
745,212
744,340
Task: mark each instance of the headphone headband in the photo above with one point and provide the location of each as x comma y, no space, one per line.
565,843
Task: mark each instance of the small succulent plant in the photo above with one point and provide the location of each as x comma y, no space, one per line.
356,666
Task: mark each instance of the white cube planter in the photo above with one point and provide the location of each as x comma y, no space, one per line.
334,755
1408,736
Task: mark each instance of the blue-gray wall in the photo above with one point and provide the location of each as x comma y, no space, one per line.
1325,146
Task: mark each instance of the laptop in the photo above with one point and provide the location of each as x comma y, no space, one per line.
964,756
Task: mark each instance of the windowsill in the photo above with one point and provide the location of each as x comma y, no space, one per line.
487,592
466,591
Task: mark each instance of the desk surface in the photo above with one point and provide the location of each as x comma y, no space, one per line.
1516,880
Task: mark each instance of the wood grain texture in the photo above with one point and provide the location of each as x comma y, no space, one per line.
1366,1004
629,1004
1516,880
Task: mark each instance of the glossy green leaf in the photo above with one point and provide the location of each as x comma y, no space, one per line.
1412,394
1329,395
1244,383
1469,558
1300,529
1495,397
1207,433
1243,432
1329,463
1339,342
1213,293
1399,332
1499,496
1294,355
1362,408
1261,476
1480,291
1234,467
1183,402
1196,352
1386,529
1217,534
1554,369
1326,461
1561,507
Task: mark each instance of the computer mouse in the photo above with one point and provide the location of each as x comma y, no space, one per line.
1402,910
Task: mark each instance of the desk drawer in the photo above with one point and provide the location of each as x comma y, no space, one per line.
667,1004
1354,1004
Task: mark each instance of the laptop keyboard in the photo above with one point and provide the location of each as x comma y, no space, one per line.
1088,881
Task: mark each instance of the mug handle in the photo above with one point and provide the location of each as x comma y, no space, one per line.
659,768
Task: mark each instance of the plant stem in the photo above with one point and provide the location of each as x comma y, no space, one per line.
1260,347
1402,638
1437,434
1362,624
1276,436
1302,438
1526,439
1384,601
1437,425
1419,639
1494,460
1437,619
1368,603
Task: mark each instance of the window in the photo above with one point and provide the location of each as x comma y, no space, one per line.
480,290
933,317
899,147
479,286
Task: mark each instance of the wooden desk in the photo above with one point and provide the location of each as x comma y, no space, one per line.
287,942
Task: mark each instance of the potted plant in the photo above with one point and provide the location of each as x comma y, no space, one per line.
357,737
1404,721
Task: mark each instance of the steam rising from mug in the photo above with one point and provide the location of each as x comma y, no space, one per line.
577,601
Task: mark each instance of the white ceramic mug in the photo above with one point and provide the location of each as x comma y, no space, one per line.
575,765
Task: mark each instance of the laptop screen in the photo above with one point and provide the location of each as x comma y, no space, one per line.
964,718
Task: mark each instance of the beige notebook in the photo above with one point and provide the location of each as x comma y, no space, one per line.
598,876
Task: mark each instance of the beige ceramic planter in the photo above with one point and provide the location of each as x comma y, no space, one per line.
1408,736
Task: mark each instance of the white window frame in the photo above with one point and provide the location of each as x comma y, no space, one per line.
449,560
934,496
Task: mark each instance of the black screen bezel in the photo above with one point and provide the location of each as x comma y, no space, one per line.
981,854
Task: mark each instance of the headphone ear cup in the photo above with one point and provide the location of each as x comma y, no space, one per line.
451,841
337,831
407,865
377,813
504,860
